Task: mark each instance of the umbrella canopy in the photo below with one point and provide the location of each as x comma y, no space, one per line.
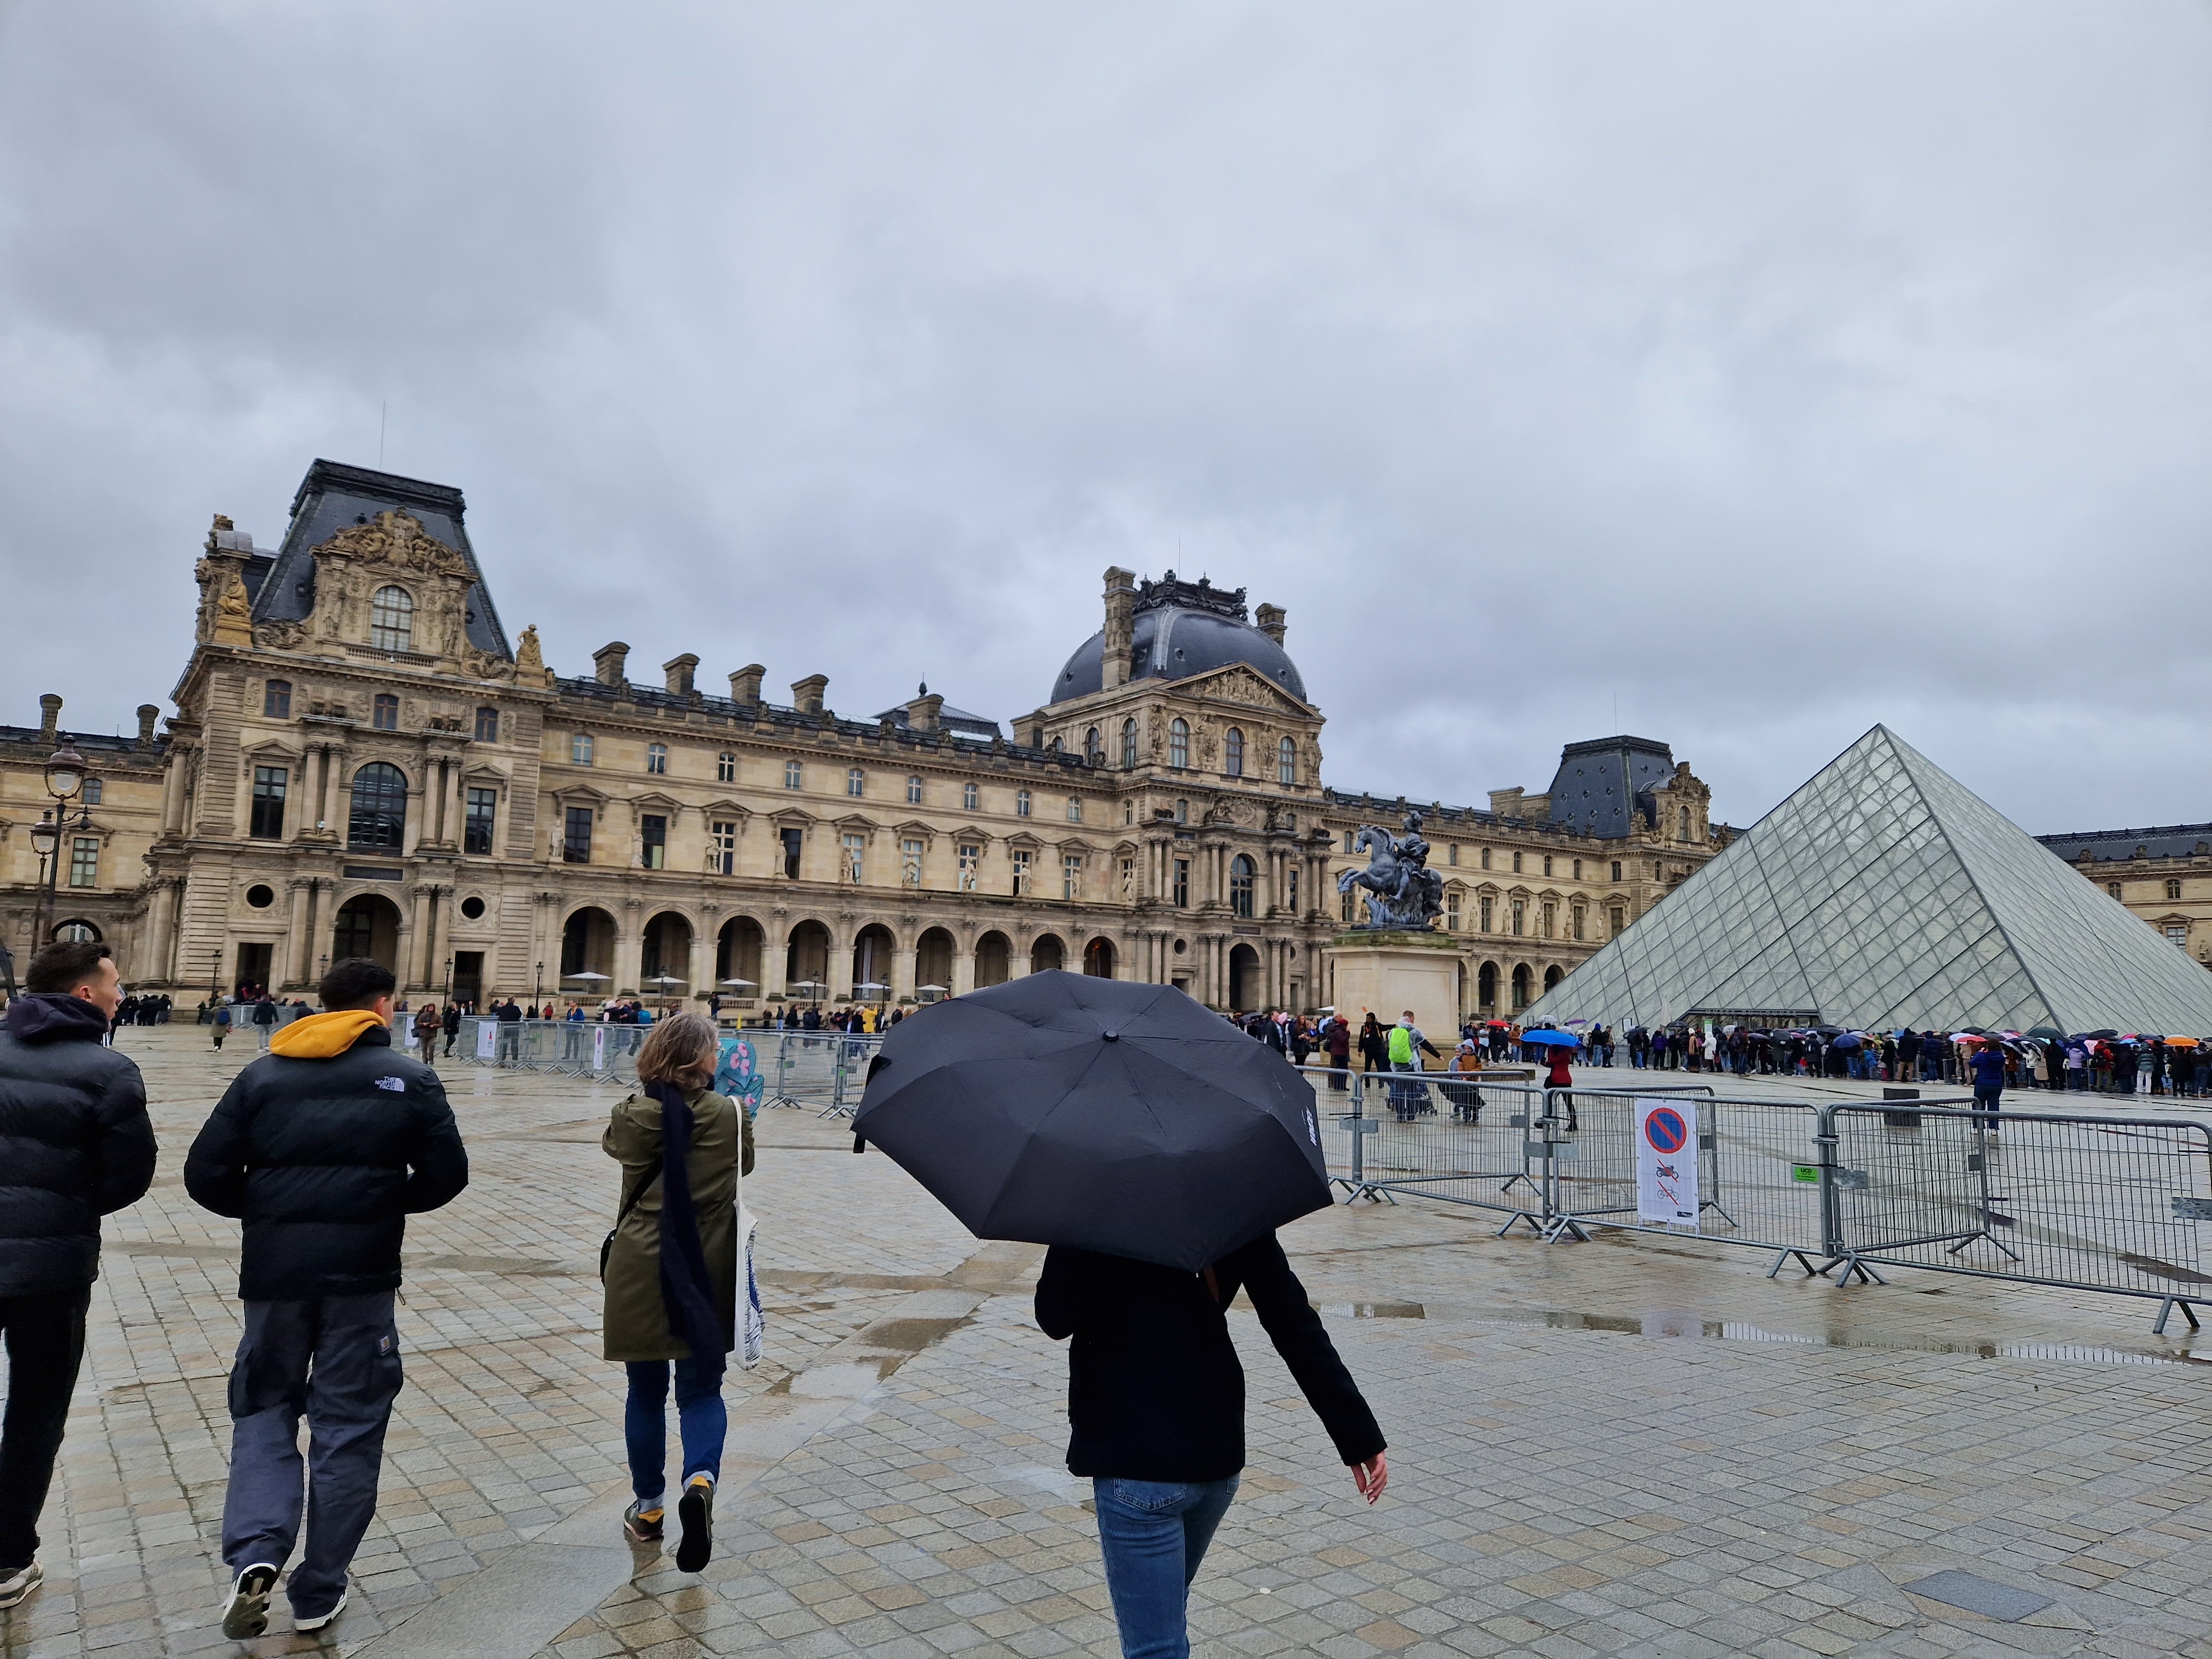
1107,1114
586,974
2048,1033
2181,1043
737,981
1552,1039
1848,1041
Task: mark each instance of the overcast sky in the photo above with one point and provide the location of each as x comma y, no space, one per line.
1760,371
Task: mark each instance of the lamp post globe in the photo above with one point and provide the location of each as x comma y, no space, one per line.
45,835
64,771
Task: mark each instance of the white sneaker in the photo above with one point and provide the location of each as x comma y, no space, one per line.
18,1585
322,1618
247,1614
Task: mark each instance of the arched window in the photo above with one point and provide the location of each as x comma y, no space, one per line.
1686,824
913,792
856,781
1287,761
1232,754
1092,751
487,725
379,819
76,931
1129,745
1240,884
391,620
1179,743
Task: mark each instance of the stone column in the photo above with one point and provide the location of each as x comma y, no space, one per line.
776,956
630,940
173,789
296,963
456,802
332,792
902,981
963,970
702,957
442,928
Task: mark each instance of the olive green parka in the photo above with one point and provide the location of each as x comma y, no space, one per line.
636,1322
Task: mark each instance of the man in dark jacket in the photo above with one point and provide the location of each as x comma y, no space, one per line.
453,1024
74,1146
323,1148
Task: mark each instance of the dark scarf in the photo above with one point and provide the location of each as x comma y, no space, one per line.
686,1291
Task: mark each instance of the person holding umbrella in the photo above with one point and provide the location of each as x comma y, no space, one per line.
1155,1150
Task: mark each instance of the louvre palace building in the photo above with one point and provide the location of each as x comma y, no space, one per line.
363,761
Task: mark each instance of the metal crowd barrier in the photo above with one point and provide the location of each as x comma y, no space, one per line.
2074,1202
820,1070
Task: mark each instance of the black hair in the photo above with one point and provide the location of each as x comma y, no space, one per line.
65,965
356,982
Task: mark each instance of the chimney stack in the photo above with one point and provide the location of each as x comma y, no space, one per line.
609,661
148,713
679,671
1271,620
927,712
49,715
1121,628
806,694
744,685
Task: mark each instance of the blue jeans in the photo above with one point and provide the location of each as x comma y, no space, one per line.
1153,1534
702,1423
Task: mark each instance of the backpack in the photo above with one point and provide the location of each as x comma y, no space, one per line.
1401,1046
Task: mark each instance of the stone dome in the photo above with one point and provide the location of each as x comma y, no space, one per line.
1182,628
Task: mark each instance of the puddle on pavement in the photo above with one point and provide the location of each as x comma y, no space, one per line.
1684,1323
883,1347
1373,1310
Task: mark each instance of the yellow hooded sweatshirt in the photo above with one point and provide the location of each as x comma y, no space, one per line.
320,1036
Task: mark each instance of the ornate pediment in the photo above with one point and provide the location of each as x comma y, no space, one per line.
1238,683
395,540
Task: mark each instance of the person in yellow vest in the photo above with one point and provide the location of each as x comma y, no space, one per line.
1405,1042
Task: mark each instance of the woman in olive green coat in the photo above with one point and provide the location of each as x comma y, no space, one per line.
678,1060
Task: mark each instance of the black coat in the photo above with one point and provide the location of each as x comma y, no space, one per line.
323,1163
1155,1391
75,1142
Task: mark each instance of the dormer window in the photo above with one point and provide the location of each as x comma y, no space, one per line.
391,620
1233,753
1179,743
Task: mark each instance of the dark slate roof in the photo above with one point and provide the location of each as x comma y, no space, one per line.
332,497
90,744
587,688
1600,783
2170,840
958,722
1182,628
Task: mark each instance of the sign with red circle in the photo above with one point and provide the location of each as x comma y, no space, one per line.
1666,1131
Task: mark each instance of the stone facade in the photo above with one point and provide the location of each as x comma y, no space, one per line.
2163,874
361,764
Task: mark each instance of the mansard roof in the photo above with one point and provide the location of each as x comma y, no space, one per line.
334,497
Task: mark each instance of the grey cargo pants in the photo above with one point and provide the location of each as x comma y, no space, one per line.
335,1358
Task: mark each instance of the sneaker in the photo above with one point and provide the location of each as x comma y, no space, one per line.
319,1620
19,1583
644,1525
695,1512
247,1615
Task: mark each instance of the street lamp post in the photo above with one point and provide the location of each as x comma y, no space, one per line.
449,979
538,991
64,779
214,974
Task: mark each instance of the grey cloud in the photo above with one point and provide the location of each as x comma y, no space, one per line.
1769,371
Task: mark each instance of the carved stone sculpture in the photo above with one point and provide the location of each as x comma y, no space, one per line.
1403,894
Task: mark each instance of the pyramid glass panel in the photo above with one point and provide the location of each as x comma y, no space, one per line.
1884,893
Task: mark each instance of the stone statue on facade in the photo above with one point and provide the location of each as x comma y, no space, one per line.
1403,894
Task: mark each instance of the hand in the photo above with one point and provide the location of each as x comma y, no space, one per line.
1371,1476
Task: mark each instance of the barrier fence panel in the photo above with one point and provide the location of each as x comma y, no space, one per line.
2091,1203
1436,1134
822,1071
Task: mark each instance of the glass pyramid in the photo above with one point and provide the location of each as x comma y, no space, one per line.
1883,894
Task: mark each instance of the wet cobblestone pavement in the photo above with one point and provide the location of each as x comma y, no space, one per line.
1634,1446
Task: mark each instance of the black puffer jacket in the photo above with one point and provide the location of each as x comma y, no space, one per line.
324,1160
75,1143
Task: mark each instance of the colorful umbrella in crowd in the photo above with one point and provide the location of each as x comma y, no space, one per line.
1551,1039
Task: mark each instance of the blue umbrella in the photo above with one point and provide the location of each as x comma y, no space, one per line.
1551,1039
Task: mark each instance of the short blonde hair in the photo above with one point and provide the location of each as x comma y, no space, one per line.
683,1052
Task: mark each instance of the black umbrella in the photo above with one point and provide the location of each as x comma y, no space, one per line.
1064,1109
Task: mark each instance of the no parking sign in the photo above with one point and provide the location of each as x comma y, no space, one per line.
1667,1161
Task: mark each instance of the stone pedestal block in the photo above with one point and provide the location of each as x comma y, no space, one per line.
1389,973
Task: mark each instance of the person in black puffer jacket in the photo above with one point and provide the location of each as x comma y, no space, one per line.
74,1146
323,1148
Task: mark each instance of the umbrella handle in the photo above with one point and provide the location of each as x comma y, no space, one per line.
860,1143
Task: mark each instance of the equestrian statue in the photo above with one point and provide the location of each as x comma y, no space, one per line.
1403,894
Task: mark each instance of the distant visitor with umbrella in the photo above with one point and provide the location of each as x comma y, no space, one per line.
1155,1149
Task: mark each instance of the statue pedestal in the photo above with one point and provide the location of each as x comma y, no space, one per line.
1387,973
